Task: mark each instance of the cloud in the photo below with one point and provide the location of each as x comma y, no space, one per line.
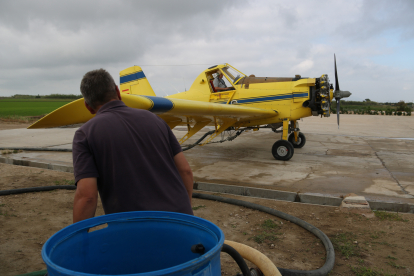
303,66
46,46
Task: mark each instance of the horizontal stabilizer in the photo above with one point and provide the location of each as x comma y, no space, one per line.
72,113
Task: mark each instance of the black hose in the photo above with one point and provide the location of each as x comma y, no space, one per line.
38,149
198,141
330,253
36,189
70,150
238,258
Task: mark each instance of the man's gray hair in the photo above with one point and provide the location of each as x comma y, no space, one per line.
98,87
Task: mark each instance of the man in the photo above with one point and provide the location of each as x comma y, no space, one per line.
129,155
219,83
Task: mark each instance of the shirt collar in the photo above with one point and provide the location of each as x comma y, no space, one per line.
110,105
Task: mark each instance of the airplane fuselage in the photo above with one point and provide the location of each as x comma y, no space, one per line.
289,97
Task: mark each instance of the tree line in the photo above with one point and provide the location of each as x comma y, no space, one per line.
373,108
51,96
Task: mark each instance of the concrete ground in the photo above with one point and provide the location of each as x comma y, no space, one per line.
371,156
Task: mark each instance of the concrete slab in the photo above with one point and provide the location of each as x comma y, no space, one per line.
371,156
319,199
356,204
56,137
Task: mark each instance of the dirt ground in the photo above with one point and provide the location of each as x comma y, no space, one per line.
381,244
12,125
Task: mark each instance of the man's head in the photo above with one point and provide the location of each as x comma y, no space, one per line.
219,74
98,87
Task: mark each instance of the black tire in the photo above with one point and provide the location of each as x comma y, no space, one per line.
301,140
282,150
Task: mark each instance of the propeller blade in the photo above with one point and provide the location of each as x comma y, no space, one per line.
337,110
336,76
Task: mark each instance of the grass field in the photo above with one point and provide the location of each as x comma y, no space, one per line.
29,107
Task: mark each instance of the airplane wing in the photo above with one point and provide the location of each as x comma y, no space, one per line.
174,112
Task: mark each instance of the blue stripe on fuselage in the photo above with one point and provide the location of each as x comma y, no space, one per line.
262,99
300,95
132,77
161,105
272,98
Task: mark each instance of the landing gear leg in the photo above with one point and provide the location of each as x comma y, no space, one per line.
297,139
283,149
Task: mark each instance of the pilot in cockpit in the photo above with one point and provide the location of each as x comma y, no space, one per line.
219,83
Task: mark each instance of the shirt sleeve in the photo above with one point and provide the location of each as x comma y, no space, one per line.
175,146
83,161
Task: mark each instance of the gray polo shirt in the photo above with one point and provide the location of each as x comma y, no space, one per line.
131,152
217,82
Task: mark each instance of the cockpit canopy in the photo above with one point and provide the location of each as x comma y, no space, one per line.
232,74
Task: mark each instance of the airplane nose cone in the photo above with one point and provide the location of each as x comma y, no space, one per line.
339,94
345,94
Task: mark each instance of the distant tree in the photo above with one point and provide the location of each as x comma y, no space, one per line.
63,96
367,100
401,106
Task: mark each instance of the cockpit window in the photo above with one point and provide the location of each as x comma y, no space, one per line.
232,74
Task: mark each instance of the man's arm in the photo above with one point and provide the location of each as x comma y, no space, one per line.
185,173
222,88
86,199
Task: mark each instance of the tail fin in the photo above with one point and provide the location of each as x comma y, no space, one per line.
133,81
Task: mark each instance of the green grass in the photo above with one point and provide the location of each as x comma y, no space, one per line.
344,243
269,224
268,233
394,265
364,271
382,215
28,107
265,237
198,207
34,100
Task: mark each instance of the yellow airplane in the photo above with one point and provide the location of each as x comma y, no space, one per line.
248,103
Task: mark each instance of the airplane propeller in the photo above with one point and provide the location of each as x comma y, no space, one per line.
338,94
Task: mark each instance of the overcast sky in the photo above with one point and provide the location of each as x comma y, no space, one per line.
47,46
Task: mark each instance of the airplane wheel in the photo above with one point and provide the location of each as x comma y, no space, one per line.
282,150
301,140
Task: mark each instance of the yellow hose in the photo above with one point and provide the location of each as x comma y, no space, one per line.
256,257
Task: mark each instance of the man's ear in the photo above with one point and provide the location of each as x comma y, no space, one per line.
118,92
91,110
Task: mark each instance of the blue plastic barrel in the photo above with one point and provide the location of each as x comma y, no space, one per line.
135,243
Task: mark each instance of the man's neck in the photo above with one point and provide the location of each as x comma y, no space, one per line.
99,107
